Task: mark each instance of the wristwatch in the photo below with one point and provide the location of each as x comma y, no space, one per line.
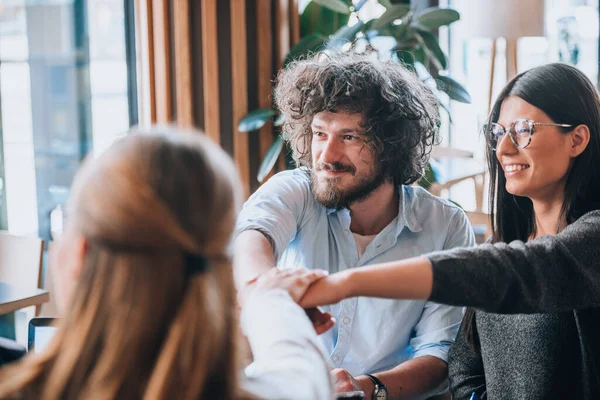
380,392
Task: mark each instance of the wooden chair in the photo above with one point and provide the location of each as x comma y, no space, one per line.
480,221
456,166
50,308
21,260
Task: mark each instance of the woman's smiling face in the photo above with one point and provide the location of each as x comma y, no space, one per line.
540,170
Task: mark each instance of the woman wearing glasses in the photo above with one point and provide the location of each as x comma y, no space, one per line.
534,327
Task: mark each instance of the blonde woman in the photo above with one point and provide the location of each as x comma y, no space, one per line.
147,285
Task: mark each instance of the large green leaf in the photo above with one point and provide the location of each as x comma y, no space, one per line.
430,175
406,58
280,120
420,55
455,90
334,5
344,35
318,19
437,56
390,15
402,32
391,3
308,44
256,119
434,17
407,44
447,112
270,159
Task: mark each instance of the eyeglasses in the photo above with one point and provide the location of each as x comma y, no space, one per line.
520,132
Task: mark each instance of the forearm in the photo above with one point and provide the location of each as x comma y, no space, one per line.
405,279
253,255
414,379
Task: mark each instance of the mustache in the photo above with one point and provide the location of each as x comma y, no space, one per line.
335,167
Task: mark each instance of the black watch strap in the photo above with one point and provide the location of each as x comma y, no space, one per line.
378,384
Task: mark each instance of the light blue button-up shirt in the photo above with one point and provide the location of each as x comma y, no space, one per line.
371,334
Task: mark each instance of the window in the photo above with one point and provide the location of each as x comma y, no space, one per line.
63,93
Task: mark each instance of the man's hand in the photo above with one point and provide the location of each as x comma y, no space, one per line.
344,381
322,321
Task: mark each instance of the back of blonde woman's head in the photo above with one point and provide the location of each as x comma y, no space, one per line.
153,312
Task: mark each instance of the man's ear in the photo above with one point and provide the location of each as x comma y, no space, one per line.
580,138
79,251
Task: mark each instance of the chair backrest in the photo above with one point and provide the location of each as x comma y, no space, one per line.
21,260
50,308
481,224
455,166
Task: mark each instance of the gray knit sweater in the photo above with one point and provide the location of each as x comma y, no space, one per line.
538,317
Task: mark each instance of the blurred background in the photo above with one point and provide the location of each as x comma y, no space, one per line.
76,74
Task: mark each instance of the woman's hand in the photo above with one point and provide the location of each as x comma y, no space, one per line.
328,290
295,281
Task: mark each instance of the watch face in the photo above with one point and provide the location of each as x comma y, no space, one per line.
382,394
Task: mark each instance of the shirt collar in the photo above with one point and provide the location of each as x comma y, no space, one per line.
406,215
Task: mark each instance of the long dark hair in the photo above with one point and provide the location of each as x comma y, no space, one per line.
567,96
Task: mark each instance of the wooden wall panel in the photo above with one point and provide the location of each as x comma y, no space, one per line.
239,78
162,65
225,55
294,22
282,40
210,69
183,64
145,62
282,37
265,67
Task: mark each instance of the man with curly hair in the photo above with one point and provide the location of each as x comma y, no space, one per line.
361,131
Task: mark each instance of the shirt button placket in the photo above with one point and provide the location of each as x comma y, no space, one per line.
345,330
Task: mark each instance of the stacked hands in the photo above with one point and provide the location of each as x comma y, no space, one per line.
308,288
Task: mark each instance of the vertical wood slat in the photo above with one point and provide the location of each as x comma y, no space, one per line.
239,78
210,70
162,66
183,64
145,44
511,58
283,30
283,47
294,22
265,57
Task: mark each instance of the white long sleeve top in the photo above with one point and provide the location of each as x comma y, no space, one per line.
289,360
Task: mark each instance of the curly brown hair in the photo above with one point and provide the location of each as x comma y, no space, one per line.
400,113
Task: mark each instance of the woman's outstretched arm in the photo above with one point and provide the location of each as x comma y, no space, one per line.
549,274
407,279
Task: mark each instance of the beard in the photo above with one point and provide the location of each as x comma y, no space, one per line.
329,193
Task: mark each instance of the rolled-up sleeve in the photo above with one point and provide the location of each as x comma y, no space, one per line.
277,208
437,328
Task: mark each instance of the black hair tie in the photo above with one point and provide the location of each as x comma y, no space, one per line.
196,264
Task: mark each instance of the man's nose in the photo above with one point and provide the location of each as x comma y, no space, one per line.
331,151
